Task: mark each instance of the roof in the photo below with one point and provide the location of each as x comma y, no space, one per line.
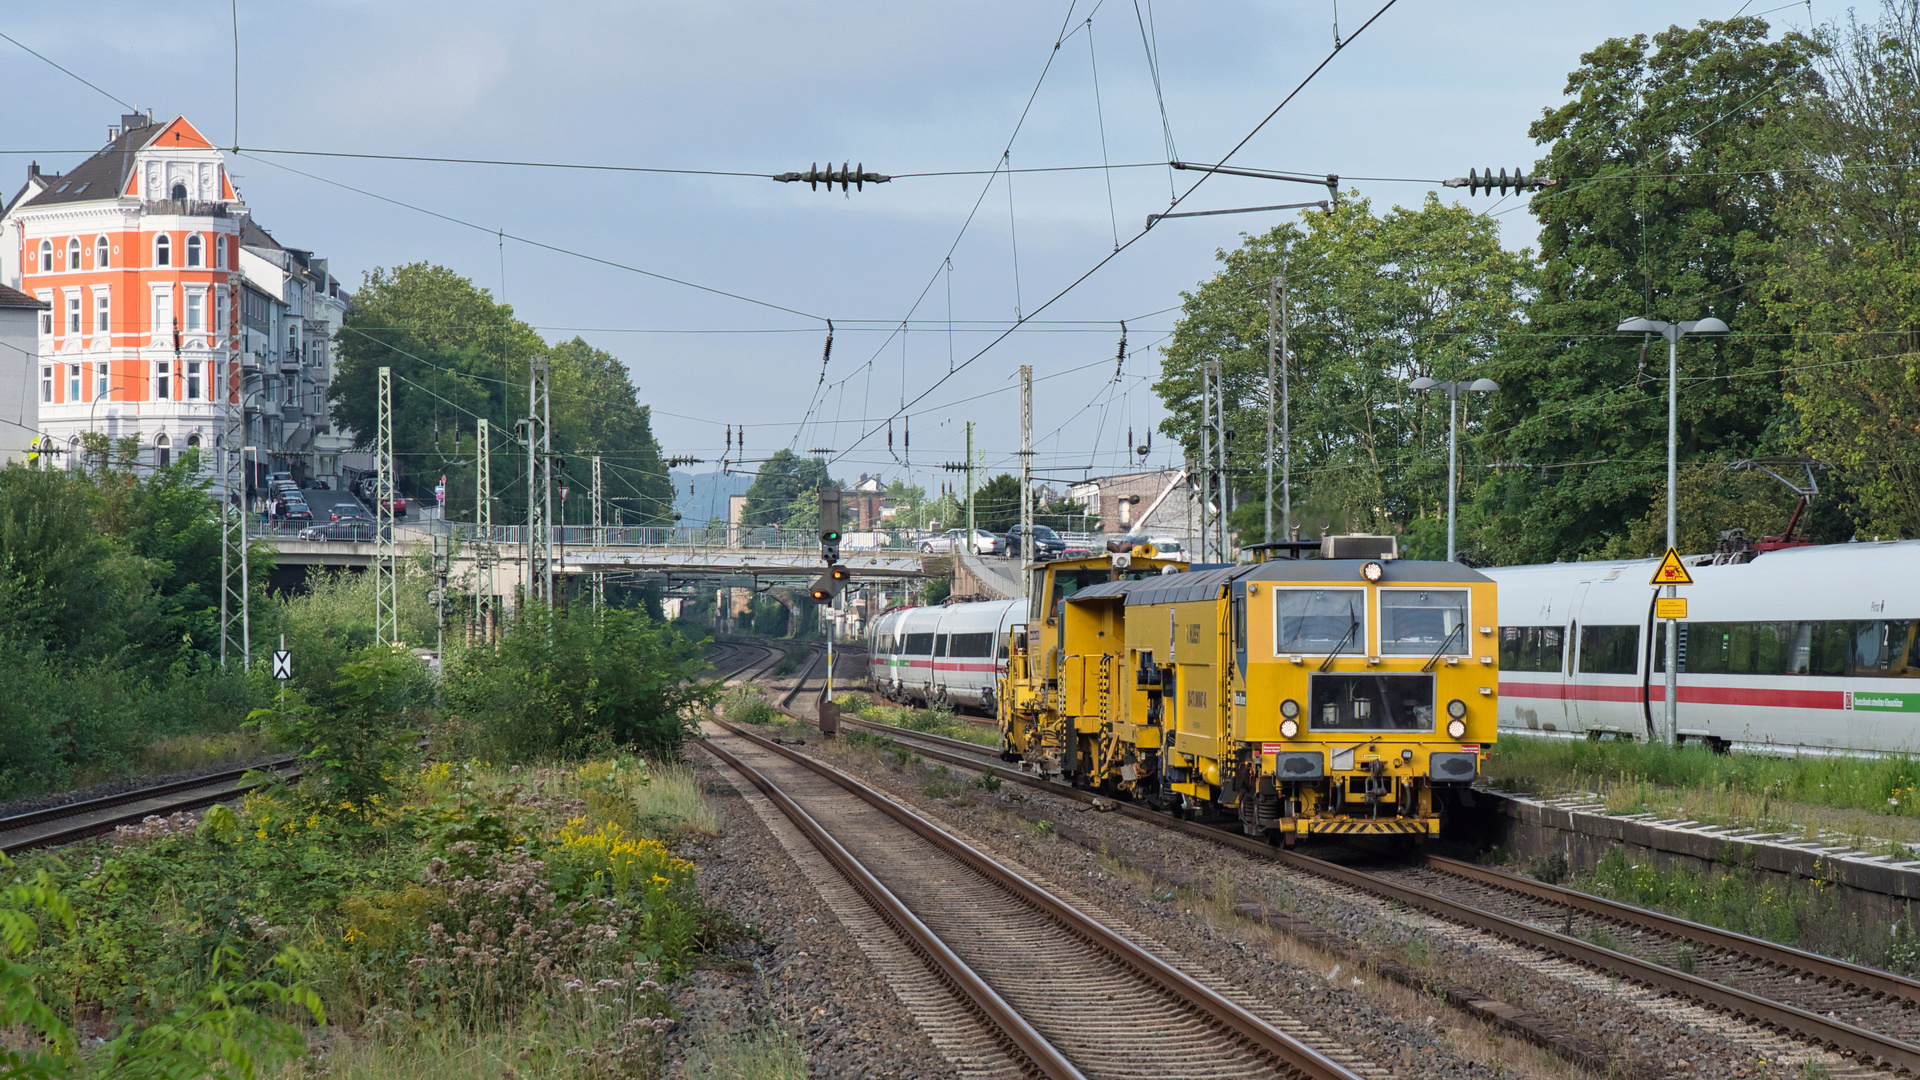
102,176
1206,584
14,298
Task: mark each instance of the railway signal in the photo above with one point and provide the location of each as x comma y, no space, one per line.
830,523
829,584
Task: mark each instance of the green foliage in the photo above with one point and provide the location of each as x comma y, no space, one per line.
936,590
932,721
785,492
1376,300
457,355
361,736
561,682
996,508
1683,150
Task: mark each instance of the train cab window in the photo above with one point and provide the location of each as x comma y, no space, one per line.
1420,621
1532,648
1610,650
1371,703
940,645
1319,620
1068,582
919,644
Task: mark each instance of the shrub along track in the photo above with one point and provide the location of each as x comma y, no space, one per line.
1067,996
1866,1014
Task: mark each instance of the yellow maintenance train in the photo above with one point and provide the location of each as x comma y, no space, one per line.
1350,693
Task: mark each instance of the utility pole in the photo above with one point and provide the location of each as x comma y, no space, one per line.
1026,476
599,538
1205,472
1220,444
236,627
483,553
386,589
1286,422
1273,317
970,525
539,497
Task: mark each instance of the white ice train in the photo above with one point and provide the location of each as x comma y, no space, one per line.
1809,648
952,655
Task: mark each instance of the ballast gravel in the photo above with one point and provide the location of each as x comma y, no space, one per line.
793,966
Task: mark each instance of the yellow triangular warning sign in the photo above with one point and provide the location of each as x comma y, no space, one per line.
1672,571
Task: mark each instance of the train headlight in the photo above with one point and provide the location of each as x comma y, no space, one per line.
1289,708
1372,571
1456,729
1289,728
1457,709
1406,756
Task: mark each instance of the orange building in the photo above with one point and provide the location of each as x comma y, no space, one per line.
137,253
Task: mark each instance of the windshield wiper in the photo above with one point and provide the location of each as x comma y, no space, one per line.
1435,658
1353,624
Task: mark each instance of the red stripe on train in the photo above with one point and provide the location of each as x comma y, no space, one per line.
1698,695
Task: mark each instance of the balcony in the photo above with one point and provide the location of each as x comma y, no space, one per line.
186,208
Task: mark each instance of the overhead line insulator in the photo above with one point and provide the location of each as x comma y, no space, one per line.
1474,181
854,175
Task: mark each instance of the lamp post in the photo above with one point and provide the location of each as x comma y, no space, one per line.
1673,332
1453,390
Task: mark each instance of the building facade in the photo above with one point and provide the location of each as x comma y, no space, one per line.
20,319
148,260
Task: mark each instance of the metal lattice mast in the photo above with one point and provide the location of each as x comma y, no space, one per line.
386,589
483,554
1026,474
539,487
599,538
235,591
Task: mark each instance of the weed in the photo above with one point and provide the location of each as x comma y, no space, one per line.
1040,830
1551,868
1684,960
1813,1070
988,781
1903,949
771,1053
940,783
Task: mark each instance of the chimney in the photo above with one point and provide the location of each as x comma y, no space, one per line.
33,169
129,121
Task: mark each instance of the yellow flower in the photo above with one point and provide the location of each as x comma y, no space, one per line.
261,833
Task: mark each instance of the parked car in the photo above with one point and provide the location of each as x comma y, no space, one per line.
983,543
341,512
398,503
298,510
362,530
1047,544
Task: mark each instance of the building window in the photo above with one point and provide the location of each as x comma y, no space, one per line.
196,311
163,380
73,384
193,250
46,256
102,312
46,322
163,450
163,250
100,250
163,312
73,254
179,193
46,383
193,380
73,312
221,322
293,343
101,386
193,442
220,252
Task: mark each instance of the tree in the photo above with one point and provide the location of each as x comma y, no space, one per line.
1849,282
1672,155
457,356
1375,302
785,491
996,504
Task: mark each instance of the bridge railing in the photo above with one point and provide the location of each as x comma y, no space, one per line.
690,538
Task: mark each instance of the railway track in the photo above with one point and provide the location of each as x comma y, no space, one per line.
58,825
1025,963
1872,1015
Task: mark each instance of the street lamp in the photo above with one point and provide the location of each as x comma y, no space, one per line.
1453,390
1673,332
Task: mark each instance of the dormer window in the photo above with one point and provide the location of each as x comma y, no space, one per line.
193,250
163,250
179,193
100,249
46,256
73,254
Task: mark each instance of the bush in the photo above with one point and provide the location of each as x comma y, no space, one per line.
560,683
356,742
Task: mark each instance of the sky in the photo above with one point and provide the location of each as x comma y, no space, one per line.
716,291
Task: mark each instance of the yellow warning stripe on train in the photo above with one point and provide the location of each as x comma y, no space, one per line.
1361,826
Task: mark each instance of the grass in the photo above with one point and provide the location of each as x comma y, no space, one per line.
1869,802
186,753
931,721
771,1053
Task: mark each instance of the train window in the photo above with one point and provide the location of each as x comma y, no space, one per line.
1532,648
940,645
1371,703
1421,620
1912,665
1610,650
970,645
1319,620
919,644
